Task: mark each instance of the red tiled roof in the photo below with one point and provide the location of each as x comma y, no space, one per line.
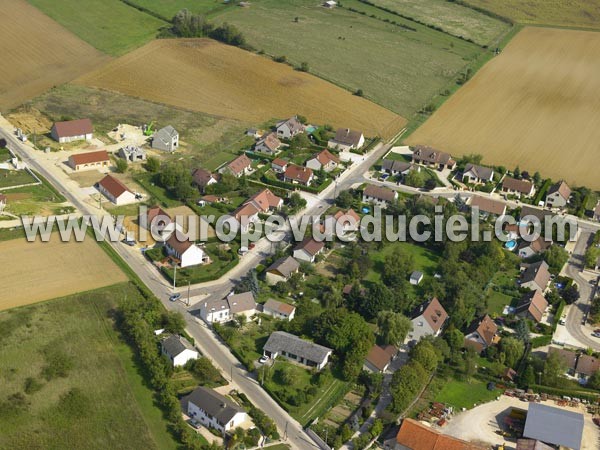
433,312
266,200
279,162
89,158
157,211
587,364
562,188
298,173
325,157
311,246
73,127
239,164
113,186
416,436
533,302
380,357
177,243
201,177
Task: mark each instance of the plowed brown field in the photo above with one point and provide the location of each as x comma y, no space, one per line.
37,53
536,106
203,75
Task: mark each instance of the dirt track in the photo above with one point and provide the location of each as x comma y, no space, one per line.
33,272
203,75
536,106
37,53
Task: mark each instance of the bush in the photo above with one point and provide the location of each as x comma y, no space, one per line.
121,165
58,364
32,385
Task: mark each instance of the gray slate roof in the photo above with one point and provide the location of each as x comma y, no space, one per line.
174,345
554,426
280,340
214,404
165,134
286,266
481,172
395,165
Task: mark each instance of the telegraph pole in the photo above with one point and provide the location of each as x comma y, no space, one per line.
188,298
174,276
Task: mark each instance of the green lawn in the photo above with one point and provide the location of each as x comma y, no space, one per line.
497,301
111,26
168,8
32,200
451,17
462,394
204,139
67,381
425,260
15,178
411,63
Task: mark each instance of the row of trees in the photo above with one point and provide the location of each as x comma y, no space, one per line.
189,25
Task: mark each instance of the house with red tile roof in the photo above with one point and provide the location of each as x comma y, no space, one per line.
428,319
268,144
379,358
279,165
89,161
279,310
238,167
298,175
308,249
324,160
532,306
72,130
114,190
481,334
201,178
518,187
184,251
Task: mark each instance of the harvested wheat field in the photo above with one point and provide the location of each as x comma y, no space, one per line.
37,271
37,53
537,105
206,76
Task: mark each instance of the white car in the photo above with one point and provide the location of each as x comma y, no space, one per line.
263,359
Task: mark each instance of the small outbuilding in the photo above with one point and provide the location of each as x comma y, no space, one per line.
416,277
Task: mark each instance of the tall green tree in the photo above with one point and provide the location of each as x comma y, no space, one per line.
393,327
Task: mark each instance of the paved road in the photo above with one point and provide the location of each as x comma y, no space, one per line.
579,310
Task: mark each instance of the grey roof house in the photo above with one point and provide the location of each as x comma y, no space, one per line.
178,350
166,139
281,270
213,410
296,349
477,174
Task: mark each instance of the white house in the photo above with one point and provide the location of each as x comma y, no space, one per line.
378,195
279,310
558,195
213,410
292,347
178,350
72,130
226,309
184,250
477,174
268,144
324,160
346,139
416,277
427,319
279,165
166,139
308,250
115,191
289,128
529,249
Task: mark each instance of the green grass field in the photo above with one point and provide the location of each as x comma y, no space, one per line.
109,25
449,16
411,63
425,260
168,8
67,381
496,302
203,138
15,178
463,394
573,13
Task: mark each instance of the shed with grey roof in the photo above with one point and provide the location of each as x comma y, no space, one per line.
297,349
554,426
178,350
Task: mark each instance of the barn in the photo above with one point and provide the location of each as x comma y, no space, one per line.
72,130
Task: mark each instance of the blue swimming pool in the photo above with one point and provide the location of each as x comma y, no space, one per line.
310,129
510,245
366,210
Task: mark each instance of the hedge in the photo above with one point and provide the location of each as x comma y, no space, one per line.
541,341
588,394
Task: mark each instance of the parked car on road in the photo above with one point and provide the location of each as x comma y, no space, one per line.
175,297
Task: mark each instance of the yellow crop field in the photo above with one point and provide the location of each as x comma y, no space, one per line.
221,80
37,271
536,105
37,53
